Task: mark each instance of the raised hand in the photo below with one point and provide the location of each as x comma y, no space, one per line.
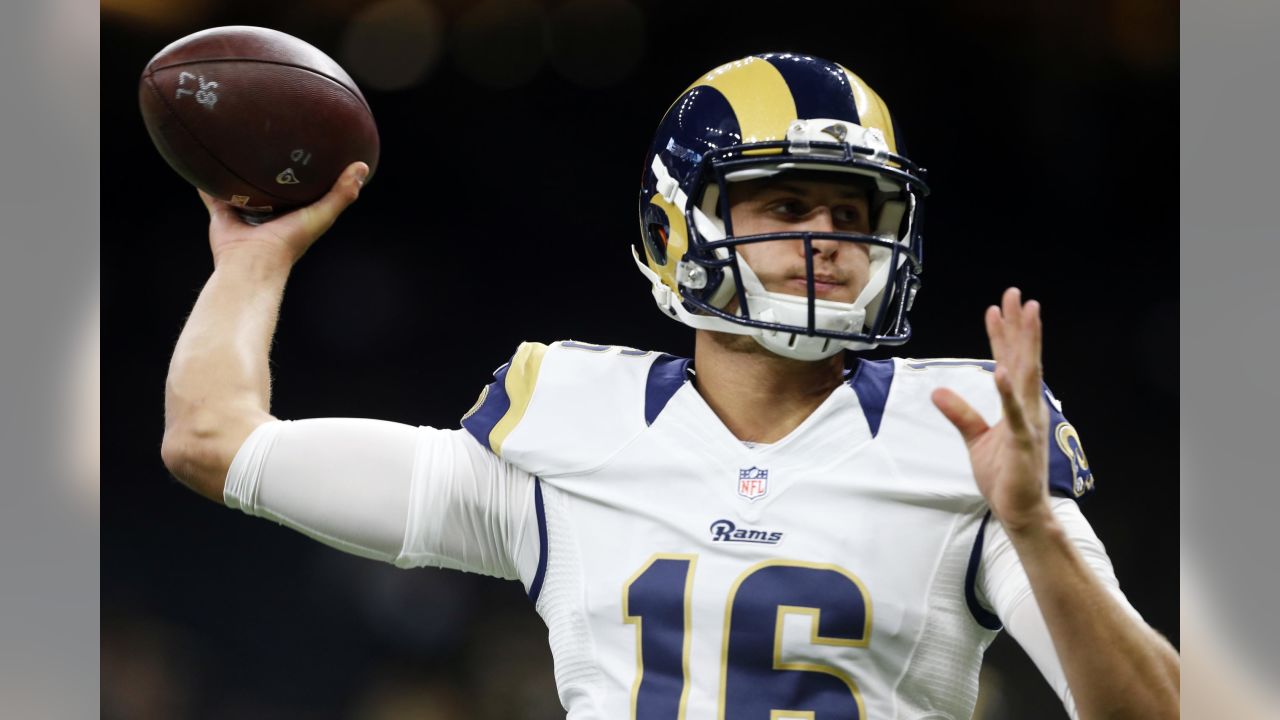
288,236
1011,458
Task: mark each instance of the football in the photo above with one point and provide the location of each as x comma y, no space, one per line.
255,117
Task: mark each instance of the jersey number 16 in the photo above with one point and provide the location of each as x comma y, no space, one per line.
755,682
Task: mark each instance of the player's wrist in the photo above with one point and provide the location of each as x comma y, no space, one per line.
1037,519
255,259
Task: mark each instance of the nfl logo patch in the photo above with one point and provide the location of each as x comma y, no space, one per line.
753,483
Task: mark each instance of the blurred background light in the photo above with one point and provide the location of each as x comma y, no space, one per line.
392,44
157,14
596,43
500,43
1143,33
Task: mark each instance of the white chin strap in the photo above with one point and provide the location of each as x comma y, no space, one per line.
828,315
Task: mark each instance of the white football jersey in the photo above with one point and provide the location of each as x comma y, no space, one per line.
684,574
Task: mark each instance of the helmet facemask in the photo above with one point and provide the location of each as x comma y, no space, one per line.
720,288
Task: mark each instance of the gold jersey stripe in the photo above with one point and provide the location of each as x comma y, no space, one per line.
522,375
759,96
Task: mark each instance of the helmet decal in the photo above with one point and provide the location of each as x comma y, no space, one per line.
666,228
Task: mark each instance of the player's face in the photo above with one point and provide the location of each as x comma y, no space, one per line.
804,204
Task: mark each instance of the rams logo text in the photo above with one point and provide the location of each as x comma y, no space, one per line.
726,531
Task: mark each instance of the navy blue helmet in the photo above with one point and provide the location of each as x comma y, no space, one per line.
759,117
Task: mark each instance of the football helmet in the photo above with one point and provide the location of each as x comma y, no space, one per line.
760,117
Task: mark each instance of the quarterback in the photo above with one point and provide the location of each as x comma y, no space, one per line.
754,533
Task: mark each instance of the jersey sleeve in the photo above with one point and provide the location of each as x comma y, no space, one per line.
569,407
1003,586
412,496
1069,473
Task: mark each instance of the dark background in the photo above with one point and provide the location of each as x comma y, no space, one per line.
502,211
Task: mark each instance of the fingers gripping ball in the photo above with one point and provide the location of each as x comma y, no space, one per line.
255,117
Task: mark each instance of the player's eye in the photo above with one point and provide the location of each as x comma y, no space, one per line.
789,207
847,215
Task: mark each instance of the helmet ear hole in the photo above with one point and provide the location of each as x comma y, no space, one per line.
656,239
656,232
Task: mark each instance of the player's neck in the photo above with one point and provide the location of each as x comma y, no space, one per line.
760,396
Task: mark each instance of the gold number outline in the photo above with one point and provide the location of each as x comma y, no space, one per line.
814,638
638,622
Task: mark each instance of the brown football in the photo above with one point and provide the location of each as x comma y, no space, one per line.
255,117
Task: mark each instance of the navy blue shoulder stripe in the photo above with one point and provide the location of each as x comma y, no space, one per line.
985,617
666,375
830,97
535,587
491,406
871,381
1069,473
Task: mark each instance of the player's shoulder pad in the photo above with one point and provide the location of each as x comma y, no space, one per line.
570,406
1069,473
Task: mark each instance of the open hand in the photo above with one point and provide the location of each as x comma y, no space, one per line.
1011,458
288,236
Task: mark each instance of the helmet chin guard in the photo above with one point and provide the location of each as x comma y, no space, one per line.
741,122
829,315
784,309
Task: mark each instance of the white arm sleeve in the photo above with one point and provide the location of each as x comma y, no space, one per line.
413,496
1003,586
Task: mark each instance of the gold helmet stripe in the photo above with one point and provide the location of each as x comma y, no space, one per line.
759,96
872,112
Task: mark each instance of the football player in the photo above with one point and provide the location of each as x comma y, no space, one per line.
754,533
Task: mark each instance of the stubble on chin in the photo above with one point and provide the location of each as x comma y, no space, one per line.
733,342
736,343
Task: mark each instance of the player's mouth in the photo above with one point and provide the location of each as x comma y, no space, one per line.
823,285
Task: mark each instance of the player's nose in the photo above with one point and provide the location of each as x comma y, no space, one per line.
821,221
